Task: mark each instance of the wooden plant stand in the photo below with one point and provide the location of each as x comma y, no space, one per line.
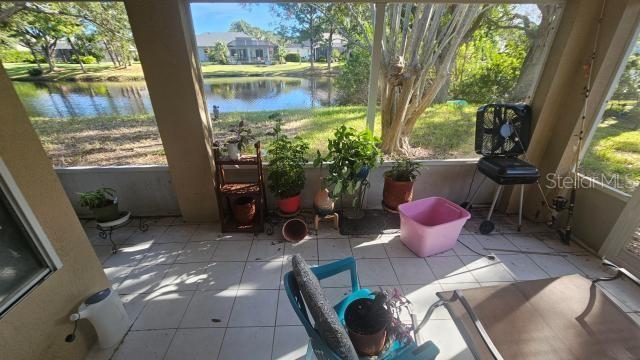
227,191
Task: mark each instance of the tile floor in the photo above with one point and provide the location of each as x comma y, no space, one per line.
193,293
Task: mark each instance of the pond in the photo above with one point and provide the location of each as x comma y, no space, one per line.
78,99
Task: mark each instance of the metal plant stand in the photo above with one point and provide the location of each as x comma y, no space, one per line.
107,228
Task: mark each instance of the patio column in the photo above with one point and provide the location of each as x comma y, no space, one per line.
163,34
558,101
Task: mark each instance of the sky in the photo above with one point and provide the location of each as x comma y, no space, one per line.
218,17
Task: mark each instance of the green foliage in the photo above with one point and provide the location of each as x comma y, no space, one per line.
352,154
98,198
629,85
218,54
404,169
87,59
353,80
241,135
15,56
322,59
286,162
34,72
488,66
292,57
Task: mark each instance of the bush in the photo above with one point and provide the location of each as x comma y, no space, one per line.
322,59
88,59
353,81
34,72
292,57
15,56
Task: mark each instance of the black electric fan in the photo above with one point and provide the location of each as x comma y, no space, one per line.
503,132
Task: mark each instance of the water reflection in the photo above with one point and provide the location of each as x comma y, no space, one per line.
68,99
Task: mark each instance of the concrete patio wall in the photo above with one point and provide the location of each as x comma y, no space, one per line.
597,209
148,190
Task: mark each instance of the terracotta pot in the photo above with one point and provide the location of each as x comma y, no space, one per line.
294,230
322,202
396,192
244,210
289,205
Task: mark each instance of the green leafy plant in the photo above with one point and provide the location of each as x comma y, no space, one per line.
404,169
352,154
98,198
35,72
286,162
241,135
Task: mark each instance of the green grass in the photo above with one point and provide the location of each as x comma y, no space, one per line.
615,148
134,140
106,71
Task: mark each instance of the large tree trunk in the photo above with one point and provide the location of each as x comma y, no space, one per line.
312,39
539,38
35,57
419,48
48,50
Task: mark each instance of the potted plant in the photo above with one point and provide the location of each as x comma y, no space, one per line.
398,182
244,210
240,139
102,202
374,322
286,169
352,154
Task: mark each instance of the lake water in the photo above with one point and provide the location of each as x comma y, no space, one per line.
71,99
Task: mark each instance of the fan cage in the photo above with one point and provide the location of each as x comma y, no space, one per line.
491,118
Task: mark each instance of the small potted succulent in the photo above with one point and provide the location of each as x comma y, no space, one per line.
103,202
287,158
398,182
352,154
240,139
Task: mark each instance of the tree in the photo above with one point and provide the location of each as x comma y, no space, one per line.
352,82
303,23
218,54
40,31
419,48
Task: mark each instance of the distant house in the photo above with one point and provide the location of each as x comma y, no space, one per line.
243,49
64,53
320,49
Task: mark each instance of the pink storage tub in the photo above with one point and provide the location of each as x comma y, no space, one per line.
432,225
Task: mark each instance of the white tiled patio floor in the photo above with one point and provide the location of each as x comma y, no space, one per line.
193,293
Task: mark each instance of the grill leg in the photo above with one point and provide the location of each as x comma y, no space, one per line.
520,209
494,202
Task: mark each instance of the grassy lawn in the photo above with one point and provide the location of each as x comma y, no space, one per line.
288,69
615,148
72,72
444,131
106,71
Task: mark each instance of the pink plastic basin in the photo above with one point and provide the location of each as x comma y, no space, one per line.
432,225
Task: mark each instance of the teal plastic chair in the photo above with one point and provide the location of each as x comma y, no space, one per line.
396,351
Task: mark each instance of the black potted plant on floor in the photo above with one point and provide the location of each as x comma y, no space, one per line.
352,155
398,182
102,202
287,158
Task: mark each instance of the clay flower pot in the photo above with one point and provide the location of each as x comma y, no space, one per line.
243,210
396,193
322,202
289,205
294,230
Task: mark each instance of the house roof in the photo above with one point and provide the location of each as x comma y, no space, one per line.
211,38
247,41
